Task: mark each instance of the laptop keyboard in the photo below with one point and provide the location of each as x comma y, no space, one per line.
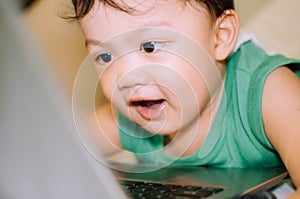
143,190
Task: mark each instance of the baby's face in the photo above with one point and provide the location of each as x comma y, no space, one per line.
156,65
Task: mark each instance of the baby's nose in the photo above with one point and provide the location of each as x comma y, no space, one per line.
135,76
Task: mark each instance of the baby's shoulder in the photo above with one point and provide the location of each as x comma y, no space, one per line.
281,101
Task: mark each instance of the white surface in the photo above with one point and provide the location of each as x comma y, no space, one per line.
283,191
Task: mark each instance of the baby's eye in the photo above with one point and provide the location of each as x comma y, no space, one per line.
104,58
151,46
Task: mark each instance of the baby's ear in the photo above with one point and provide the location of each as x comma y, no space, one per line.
226,27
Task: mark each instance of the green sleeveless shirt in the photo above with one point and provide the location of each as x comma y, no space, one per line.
236,140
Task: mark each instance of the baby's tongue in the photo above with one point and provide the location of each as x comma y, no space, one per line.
151,109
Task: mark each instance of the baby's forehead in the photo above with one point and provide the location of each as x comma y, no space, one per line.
104,22
142,7
141,10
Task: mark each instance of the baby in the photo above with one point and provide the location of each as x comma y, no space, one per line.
186,87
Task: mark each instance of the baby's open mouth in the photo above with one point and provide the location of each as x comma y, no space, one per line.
146,103
149,109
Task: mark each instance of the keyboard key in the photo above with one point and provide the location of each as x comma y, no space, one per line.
143,190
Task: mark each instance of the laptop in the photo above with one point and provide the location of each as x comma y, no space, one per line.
41,155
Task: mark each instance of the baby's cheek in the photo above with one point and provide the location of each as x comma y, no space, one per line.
107,88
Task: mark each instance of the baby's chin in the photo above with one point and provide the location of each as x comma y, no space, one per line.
160,128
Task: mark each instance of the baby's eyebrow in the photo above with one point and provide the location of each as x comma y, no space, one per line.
92,42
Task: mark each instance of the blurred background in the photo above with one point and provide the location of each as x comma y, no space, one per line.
275,23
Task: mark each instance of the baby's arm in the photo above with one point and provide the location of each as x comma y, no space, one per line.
103,130
281,118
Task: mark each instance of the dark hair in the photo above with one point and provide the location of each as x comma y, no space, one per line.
215,7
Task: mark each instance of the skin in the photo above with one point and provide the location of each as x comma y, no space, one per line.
281,118
281,93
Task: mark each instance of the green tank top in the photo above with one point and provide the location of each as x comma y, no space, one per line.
236,140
